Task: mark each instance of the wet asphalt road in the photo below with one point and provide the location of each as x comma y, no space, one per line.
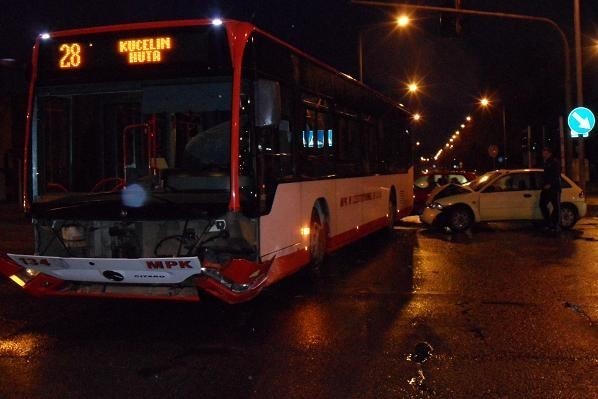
504,312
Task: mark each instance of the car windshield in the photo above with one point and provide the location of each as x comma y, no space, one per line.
481,181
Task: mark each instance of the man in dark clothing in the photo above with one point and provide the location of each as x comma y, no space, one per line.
551,191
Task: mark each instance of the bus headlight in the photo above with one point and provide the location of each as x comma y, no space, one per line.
31,273
22,278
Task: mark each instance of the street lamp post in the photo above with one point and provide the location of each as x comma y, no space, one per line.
485,103
360,51
401,21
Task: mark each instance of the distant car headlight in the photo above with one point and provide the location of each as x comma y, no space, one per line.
435,205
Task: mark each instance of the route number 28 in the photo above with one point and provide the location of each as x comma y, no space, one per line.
70,55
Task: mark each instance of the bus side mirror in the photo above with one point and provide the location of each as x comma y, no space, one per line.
267,103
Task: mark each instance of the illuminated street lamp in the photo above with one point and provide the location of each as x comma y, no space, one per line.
412,87
417,116
401,22
468,118
484,102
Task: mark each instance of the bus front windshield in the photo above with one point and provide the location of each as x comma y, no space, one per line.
95,139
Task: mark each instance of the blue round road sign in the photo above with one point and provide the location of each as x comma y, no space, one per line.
581,120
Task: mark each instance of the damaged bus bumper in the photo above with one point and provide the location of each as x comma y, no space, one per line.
173,279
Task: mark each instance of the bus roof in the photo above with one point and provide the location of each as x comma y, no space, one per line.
229,24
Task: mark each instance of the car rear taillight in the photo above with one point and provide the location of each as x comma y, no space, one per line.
581,194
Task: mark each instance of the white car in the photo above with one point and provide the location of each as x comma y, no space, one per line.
501,195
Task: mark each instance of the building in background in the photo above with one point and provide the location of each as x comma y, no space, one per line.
13,90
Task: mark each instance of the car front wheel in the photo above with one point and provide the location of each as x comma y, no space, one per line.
459,219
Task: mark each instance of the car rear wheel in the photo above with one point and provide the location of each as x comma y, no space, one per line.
459,219
568,216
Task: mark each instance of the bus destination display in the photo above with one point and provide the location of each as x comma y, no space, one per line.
137,51
146,50
146,54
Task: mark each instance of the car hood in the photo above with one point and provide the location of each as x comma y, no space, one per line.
449,190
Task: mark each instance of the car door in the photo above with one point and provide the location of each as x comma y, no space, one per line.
526,195
508,198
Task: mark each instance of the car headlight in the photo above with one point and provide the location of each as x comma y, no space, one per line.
435,205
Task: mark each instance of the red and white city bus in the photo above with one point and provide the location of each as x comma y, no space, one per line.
166,160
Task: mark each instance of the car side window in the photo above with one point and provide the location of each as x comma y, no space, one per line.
521,182
504,183
536,181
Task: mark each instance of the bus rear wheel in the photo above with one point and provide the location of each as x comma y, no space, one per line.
392,213
317,239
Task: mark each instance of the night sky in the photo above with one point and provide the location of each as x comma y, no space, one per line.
518,64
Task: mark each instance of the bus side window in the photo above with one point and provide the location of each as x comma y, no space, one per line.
350,154
284,137
309,132
369,155
316,143
274,145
